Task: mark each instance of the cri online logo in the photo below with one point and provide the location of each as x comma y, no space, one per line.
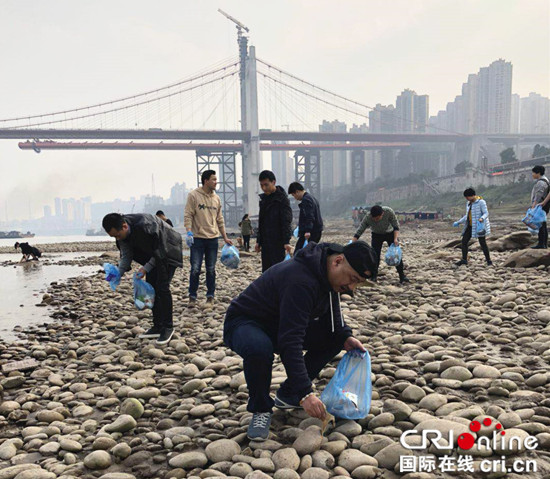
466,440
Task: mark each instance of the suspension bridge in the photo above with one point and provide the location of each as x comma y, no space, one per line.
218,112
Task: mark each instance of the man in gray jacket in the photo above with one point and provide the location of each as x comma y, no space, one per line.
157,247
540,196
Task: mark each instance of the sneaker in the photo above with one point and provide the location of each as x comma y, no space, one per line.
258,429
285,403
539,246
210,301
461,262
165,336
192,302
404,279
152,333
489,263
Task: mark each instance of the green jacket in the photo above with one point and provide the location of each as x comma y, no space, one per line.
246,227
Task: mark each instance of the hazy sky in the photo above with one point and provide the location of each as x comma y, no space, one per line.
63,54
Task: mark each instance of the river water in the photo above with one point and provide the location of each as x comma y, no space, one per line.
22,287
37,240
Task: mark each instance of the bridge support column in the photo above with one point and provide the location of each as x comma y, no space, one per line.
223,163
357,167
308,170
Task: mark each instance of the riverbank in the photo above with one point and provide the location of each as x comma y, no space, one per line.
453,346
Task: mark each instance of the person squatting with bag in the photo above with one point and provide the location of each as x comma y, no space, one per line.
157,247
540,195
385,228
476,225
292,307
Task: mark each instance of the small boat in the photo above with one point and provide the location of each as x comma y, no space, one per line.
15,235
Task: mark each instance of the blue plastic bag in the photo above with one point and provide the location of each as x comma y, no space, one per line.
481,231
112,275
287,257
305,244
296,231
144,294
533,231
230,256
535,217
348,394
393,255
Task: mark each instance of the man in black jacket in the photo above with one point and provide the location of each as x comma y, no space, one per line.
310,224
275,222
293,306
157,247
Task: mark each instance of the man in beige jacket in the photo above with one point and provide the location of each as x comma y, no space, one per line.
204,223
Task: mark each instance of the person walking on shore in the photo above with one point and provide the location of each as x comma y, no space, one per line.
203,220
275,222
246,231
292,307
384,229
151,242
540,195
476,225
310,223
28,251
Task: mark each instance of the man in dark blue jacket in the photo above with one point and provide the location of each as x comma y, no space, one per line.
293,306
310,224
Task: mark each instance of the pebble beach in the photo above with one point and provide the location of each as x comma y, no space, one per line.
455,345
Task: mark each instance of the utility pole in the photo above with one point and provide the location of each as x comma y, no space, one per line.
249,117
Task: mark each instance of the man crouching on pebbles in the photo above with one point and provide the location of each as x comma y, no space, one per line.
295,306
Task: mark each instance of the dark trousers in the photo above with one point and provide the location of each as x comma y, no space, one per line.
207,249
246,242
543,235
257,347
466,237
272,254
377,241
160,278
315,237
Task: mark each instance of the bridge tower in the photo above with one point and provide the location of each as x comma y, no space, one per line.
251,160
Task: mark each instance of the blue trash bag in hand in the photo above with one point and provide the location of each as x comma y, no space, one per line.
481,231
296,231
287,257
230,256
534,217
348,394
144,294
393,255
112,275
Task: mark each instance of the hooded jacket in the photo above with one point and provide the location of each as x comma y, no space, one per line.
151,240
203,214
479,211
275,220
310,216
286,301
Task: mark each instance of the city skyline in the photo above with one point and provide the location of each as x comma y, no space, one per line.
428,46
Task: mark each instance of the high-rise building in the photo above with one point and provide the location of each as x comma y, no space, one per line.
383,119
494,97
178,194
514,114
47,211
534,114
58,209
412,112
334,164
282,166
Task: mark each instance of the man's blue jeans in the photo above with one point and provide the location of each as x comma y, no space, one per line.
207,249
